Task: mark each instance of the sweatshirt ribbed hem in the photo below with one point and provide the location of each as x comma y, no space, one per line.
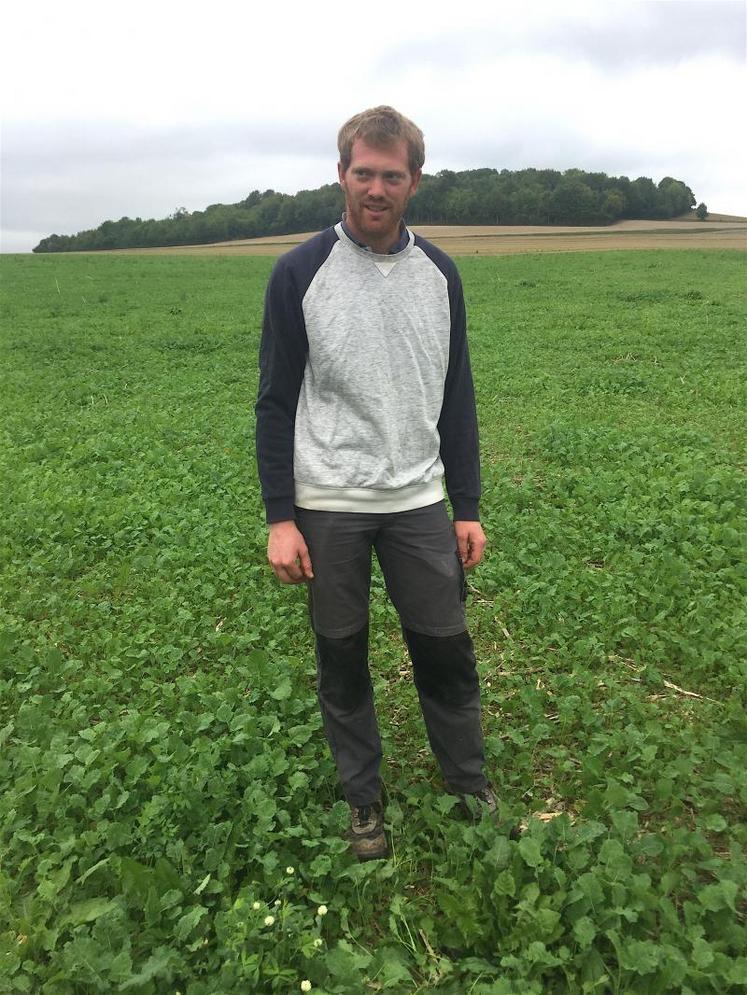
366,499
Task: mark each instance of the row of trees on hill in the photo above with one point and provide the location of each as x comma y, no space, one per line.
471,197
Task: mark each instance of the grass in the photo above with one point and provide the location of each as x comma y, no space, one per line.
163,766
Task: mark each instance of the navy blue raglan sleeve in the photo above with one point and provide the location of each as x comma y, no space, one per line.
457,425
282,360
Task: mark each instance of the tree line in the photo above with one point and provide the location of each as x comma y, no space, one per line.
469,197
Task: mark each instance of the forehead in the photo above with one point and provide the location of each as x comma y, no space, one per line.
388,157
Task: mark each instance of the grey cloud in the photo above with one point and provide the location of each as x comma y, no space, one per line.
66,179
60,148
655,33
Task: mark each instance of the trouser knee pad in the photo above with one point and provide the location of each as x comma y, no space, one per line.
342,668
444,666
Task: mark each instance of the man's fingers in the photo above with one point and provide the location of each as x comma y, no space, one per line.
476,549
290,574
306,567
463,549
295,572
287,571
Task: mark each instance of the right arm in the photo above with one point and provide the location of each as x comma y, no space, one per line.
282,361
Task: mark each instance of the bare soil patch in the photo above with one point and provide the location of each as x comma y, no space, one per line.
472,240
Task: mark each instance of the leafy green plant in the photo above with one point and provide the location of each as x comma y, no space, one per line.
162,760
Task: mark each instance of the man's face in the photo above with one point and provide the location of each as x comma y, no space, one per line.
377,184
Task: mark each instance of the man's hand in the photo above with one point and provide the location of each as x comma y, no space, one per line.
470,543
288,554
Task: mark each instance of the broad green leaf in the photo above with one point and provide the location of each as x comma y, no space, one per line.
721,895
530,851
89,910
504,884
188,921
584,932
283,690
702,954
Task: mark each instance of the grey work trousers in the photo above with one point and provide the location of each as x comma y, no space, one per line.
424,578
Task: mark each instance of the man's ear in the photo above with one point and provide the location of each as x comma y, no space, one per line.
341,175
416,180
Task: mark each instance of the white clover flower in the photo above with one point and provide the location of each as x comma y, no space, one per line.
306,986
276,902
269,920
322,910
318,942
256,906
290,870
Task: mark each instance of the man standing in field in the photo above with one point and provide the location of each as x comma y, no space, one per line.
365,404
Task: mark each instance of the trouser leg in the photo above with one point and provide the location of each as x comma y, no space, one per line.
340,548
424,575
447,683
347,707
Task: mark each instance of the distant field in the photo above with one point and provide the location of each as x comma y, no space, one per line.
169,812
469,240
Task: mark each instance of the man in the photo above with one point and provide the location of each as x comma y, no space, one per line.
365,403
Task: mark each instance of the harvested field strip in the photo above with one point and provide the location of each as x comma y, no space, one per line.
467,240
595,232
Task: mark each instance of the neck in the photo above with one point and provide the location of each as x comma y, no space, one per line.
380,246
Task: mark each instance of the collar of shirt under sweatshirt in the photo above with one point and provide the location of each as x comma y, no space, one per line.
384,262
404,237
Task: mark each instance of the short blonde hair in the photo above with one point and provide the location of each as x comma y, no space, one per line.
381,127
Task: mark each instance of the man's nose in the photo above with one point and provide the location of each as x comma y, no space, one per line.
376,187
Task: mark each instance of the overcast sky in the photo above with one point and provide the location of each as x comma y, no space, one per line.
138,108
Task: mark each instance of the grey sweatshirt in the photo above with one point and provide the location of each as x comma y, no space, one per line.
366,394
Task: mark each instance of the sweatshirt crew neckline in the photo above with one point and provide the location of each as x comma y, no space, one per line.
367,253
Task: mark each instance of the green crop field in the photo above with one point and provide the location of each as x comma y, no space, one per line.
169,815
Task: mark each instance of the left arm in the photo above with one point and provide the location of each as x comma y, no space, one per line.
457,427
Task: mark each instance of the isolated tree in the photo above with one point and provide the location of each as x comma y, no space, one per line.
701,211
675,197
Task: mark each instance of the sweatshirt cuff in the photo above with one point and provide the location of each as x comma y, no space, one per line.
465,509
279,510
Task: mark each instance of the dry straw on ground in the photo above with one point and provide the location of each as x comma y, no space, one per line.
470,240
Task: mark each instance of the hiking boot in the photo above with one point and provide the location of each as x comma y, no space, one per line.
486,804
367,837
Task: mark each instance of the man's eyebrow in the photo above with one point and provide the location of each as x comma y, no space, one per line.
384,172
